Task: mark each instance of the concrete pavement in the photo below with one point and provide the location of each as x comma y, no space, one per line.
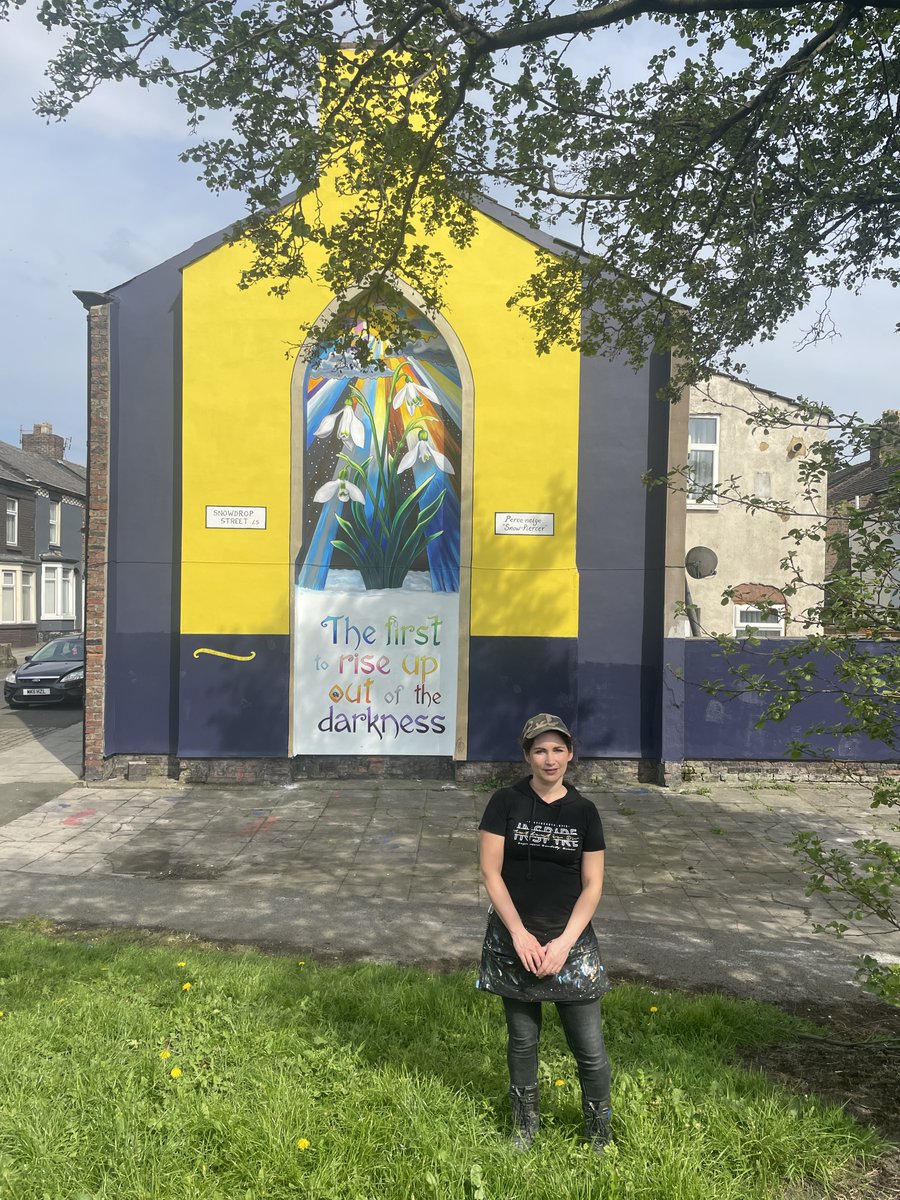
701,889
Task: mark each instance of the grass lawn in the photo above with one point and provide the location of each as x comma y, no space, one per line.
141,1067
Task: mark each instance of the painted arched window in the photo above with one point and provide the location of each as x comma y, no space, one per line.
377,511
381,477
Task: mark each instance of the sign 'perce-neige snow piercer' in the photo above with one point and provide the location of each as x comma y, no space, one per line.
524,524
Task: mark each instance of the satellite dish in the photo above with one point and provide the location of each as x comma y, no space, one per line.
701,562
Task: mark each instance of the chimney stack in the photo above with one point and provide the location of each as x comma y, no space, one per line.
885,444
44,441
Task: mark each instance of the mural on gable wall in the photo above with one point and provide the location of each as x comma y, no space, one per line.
376,598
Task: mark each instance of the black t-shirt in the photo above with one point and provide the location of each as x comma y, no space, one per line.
542,854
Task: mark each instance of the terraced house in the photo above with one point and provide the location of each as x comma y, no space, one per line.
42,496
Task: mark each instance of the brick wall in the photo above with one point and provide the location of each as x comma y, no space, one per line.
97,526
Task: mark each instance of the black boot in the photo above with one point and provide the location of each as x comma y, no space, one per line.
596,1124
526,1114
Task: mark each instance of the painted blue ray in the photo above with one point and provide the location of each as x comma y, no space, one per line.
443,552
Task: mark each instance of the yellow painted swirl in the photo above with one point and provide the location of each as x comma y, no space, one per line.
223,654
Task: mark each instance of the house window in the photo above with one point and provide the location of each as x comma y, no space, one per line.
54,522
8,602
17,596
12,521
760,622
27,597
703,461
59,591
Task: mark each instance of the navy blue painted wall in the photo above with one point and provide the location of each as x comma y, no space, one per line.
606,684
145,510
623,433
721,728
510,679
234,709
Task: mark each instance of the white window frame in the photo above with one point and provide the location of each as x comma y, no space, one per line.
19,591
771,623
55,520
711,502
9,586
59,573
12,511
30,617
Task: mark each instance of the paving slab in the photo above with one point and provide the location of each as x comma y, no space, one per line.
702,890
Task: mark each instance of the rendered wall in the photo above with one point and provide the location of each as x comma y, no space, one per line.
751,544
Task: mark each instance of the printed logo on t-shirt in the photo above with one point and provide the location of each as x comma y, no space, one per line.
542,833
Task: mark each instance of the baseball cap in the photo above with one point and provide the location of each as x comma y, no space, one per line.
543,723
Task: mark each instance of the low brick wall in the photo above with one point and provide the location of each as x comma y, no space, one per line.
701,770
137,768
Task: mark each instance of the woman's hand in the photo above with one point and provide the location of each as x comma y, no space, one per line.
529,950
554,957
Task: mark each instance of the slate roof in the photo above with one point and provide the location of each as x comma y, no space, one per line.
63,476
861,479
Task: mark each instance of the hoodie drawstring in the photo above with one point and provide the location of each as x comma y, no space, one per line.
531,830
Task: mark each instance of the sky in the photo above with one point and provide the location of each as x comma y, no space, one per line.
93,201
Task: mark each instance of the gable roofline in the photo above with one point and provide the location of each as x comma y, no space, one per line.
488,207
755,387
9,474
59,475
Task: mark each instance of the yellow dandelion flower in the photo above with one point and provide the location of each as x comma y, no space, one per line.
181,964
186,987
302,1143
653,1008
2,1014
165,1054
302,962
559,1083
175,1072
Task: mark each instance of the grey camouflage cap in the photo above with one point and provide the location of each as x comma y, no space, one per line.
544,723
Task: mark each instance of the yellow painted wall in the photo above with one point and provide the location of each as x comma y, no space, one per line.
525,443
236,444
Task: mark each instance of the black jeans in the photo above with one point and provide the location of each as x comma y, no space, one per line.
584,1034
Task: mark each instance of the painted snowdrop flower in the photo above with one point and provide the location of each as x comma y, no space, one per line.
349,426
422,447
341,487
412,395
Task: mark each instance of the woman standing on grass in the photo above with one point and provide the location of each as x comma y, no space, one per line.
542,863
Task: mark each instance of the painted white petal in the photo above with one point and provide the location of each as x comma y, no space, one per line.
357,430
444,463
355,493
326,491
428,394
408,459
326,426
400,396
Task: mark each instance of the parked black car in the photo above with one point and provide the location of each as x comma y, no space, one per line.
52,675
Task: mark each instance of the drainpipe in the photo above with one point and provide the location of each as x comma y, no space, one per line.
691,613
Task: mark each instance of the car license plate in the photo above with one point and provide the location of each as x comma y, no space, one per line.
35,691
